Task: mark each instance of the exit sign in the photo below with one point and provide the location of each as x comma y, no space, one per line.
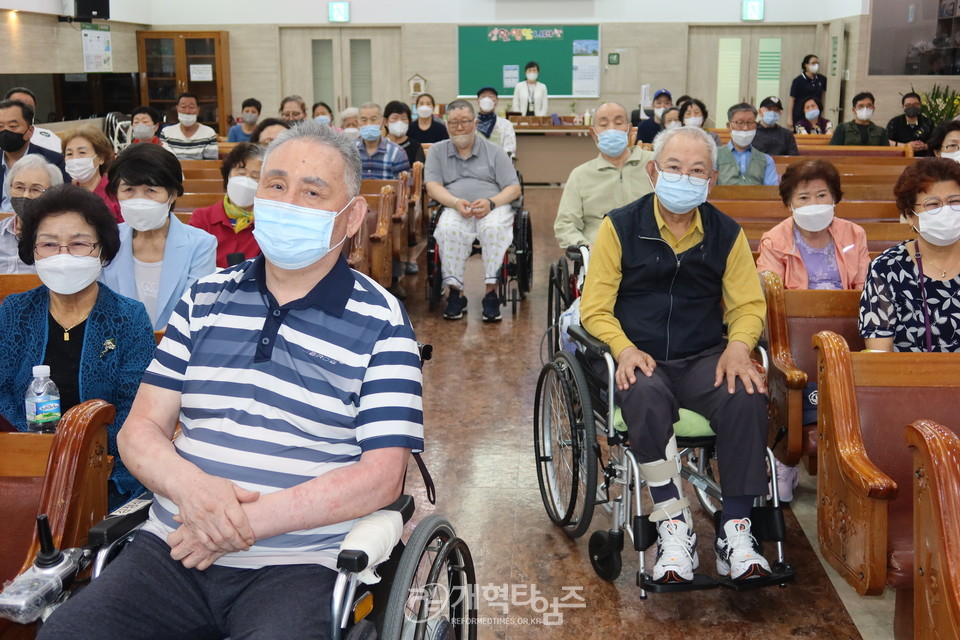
752,10
339,11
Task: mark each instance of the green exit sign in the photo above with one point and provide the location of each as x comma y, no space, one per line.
752,10
339,11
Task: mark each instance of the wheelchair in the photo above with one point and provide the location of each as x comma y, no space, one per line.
578,471
427,587
563,287
515,276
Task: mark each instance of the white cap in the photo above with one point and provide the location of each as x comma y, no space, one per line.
41,371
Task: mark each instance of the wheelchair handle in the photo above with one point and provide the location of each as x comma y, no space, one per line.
592,344
573,252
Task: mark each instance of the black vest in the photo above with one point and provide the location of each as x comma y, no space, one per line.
670,305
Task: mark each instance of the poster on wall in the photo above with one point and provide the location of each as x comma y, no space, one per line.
97,48
586,67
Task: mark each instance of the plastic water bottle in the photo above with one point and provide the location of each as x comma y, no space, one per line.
42,402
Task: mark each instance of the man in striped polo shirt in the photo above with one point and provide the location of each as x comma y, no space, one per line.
190,140
297,383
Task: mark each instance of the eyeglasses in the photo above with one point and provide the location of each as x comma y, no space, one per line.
19,189
743,126
77,248
936,205
459,124
673,174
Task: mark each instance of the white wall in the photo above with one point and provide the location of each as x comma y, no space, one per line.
456,11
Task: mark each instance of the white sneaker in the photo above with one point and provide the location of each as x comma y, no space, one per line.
676,552
738,556
787,480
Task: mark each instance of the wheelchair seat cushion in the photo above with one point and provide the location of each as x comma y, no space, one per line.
690,424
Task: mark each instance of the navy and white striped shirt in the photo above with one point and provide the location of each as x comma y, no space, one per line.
273,396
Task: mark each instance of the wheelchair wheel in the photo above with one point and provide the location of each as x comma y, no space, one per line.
558,299
605,555
565,445
523,241
434,278
433,592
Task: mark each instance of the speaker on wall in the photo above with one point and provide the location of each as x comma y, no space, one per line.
98,9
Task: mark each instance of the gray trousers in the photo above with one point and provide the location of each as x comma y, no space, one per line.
145,594
651,405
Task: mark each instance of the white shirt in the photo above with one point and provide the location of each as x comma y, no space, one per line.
202,145
523,94
147,277
46,139
10,261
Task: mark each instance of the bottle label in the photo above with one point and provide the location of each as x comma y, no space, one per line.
43,409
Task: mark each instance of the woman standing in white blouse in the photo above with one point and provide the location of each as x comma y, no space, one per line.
530,97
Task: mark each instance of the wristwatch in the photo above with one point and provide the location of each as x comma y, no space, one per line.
492,204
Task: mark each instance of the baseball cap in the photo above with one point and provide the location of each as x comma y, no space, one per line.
662,92
482,89
771,101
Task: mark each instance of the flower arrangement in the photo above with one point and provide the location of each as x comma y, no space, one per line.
939,104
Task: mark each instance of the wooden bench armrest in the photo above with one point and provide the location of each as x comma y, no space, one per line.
936,494
781,357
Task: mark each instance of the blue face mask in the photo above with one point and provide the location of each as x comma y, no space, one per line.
612,142
323,119
812,115
293,237
770,118
681,196
370,132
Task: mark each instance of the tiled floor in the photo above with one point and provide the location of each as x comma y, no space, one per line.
478,406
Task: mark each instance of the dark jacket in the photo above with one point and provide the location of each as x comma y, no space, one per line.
110,374
848,133
52,157
669,305
775,141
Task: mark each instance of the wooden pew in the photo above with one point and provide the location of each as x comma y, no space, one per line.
190,201
868,193
416,206
200,164
852,162
224,149
203,185
793,317
854,150
63,475
864,506
11,283
380,210
399,227
203,173
936,512
774,211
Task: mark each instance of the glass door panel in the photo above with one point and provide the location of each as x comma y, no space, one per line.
323,73
359,70
201,78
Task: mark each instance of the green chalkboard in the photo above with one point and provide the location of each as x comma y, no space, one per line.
560,50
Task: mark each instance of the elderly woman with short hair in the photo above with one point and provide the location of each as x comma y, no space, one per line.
88,154
97,343
911,300
28,179
230,221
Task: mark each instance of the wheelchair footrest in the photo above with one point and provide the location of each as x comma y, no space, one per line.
780,575
700,582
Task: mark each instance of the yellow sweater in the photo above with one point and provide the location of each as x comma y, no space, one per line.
744,306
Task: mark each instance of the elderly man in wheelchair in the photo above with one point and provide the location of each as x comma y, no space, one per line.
297,385
667,272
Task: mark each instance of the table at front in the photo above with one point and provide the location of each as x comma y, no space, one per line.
547,156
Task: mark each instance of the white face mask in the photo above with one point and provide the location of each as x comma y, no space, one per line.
352,132
398,129
66,274
241,191
743,138
187,119
143,214
673,124
81,169
864,114
940,228
424,111
658,112
532,76
813,217
815,67
955,156
143,131
694,121
487,104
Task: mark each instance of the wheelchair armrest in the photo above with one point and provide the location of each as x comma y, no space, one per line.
120,522
592,344
573,253
352,560
404,504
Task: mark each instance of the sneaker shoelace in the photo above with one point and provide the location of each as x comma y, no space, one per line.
675,543
742,539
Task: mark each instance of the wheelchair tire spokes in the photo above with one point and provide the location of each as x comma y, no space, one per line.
434,590
564,442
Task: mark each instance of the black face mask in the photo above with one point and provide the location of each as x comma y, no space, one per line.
912,112
11,141
19,203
